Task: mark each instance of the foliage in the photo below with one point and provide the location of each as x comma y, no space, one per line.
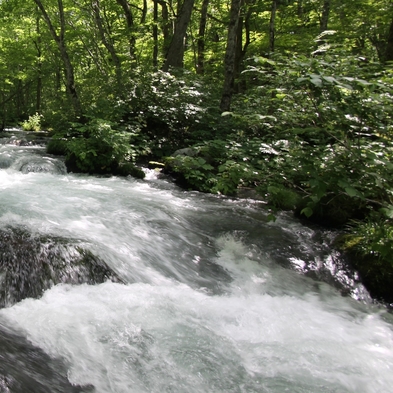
97,147
369,244
57,146
169,110
322,145
33,123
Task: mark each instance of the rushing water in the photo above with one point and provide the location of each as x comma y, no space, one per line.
215,296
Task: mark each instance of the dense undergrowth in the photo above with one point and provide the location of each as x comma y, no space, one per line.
312,134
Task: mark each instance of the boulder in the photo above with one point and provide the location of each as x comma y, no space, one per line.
31,263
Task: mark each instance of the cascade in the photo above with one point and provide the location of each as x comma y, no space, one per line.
125,285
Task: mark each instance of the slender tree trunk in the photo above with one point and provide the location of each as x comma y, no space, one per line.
60,41
175,54
325,16
244,23
230,56
39,67
239,51
389,46
155,34
272,26
201,38
165,26
144,12
107,41
300,8
130,26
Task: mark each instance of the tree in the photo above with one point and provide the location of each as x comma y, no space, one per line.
325,16
61,44
107,41
272,26
130,26
230,55
175,54
389,46
201,37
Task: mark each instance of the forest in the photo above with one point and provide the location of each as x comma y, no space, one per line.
290,99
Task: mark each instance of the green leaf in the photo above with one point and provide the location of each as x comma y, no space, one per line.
271,217
316,80
307,211
343,183
353,192
387,211
330,79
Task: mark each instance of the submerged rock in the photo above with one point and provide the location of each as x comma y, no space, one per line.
30,264
26,368
40,165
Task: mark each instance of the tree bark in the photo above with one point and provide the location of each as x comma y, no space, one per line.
165,26
39,67
325,16
201,38
155,34
230,55
144,12
300,8
61,44
107,41
389,46
272,26
175,54
130,27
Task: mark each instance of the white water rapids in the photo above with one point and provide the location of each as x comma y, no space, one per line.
212,301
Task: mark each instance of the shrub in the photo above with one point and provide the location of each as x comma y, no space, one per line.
97,147
33,123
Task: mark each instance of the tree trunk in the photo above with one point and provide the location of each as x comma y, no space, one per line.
144,12
39,67
325,16
155,35
60,41
175,54
300,8
389,46
244,22
130,26
230,55
272,26
107,41
201,38
165,26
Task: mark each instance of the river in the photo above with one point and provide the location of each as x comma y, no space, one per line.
216,298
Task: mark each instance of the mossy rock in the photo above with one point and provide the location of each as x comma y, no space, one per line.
129,169
376,273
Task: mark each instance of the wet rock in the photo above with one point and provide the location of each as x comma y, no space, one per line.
26,368
188,152
40,165
30,264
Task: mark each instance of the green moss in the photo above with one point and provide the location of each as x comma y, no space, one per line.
369,248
